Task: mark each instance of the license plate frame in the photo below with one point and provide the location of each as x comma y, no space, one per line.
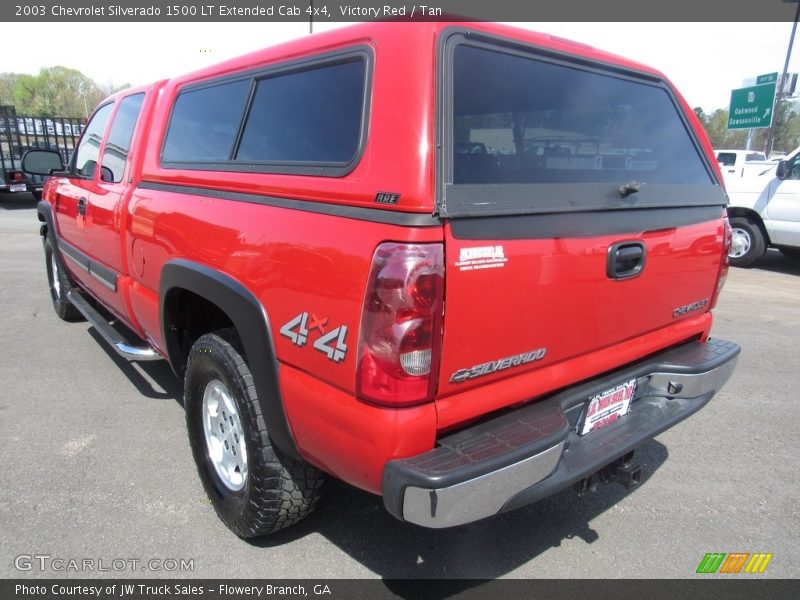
17,187
608,406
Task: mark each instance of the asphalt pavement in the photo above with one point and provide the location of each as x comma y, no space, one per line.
95,464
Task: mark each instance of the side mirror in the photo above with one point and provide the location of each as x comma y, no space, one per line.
782,171
42,162
106,174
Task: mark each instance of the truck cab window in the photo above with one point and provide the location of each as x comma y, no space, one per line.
115,155
89,148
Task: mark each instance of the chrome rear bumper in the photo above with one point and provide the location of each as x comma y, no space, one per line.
535,451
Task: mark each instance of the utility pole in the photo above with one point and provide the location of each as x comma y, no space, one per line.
311,17
781,83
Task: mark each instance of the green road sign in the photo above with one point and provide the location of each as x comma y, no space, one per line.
768,78
751,107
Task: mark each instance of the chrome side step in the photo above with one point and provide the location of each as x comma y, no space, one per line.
109,334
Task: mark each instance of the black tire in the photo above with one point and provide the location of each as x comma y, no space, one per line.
277,491
754,245
790,252
60,284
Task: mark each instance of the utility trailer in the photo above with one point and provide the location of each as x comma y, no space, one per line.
19,133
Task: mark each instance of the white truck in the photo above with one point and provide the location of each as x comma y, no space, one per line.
732,162
764,210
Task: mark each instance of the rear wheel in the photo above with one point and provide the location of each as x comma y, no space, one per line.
748,244
252,486
60,284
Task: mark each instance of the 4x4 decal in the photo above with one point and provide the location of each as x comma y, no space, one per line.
331,344
300,336
338,351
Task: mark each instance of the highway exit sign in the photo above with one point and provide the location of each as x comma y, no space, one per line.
751,107
768,78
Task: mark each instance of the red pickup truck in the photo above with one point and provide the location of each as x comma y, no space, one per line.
463,266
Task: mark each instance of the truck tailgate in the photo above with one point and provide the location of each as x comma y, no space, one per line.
519,303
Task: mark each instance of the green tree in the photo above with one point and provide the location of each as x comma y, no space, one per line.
701,116
720,135
787,129
7,83
55,91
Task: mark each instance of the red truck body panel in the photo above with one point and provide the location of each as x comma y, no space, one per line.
551,293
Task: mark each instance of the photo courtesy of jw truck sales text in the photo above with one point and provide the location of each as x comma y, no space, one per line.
160,590
501,295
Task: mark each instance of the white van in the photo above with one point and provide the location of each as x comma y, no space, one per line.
764,210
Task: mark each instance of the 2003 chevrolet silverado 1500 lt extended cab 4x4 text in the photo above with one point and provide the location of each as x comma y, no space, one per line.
460,266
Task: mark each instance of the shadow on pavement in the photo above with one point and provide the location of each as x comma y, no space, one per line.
358,524
18,201
153,380
778,263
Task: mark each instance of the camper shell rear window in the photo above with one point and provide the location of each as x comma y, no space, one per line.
526,131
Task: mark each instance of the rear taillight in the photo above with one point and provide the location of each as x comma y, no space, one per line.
727,238
401,325
17,176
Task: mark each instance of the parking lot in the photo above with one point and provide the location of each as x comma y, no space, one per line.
96,464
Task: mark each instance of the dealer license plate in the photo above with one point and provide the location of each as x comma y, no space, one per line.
18,187
608,406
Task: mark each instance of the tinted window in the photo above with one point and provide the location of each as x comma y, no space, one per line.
794,168
522,120
204,123
726,159
118,143
306,116
89,148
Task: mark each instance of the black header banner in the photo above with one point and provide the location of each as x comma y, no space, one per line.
404,10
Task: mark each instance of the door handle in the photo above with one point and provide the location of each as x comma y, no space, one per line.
626,259
81,206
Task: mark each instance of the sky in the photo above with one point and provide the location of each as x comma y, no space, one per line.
705,61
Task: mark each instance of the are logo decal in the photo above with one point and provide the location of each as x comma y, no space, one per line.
387,198
332,344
